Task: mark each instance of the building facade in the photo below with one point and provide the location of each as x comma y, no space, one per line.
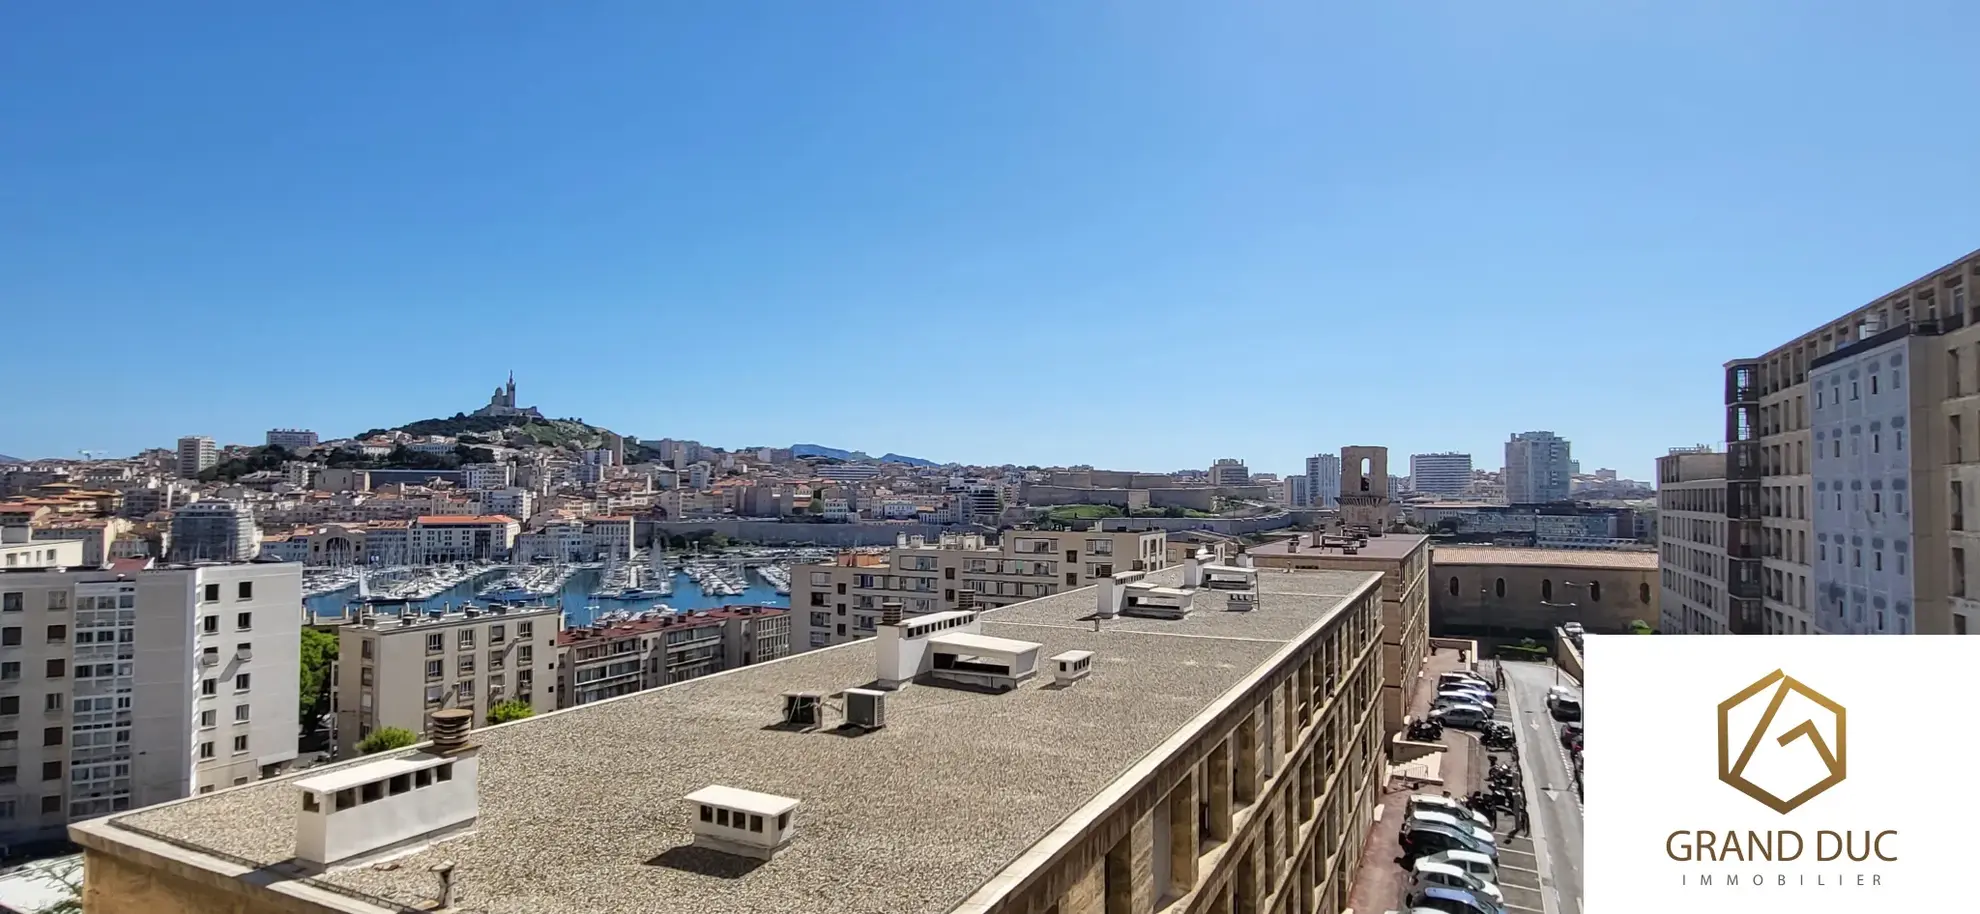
291,439
1691,542
1323,480
214,530
1539,469
197,453
395,671
1925,336
121,691
1447,473
1497,592
1229,471
840,601
436,538
607,660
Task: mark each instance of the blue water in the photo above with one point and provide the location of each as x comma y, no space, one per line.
575,598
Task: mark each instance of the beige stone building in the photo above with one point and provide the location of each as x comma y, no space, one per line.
1691,542
1403,561
394,671
1492,591
1886,395
840,601
1226,762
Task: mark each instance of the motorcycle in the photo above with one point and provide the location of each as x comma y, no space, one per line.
1496,741
1425,730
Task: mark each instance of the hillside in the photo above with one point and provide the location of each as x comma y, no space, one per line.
819,450
510,430
6,459
906,460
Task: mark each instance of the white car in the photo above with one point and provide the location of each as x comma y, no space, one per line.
1472,862
1572,628
1425,873
1430,802
1466,696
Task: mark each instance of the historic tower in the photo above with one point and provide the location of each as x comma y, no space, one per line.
1365,489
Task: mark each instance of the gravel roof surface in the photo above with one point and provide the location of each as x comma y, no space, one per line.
581,811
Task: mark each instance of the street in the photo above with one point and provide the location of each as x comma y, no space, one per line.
1554,804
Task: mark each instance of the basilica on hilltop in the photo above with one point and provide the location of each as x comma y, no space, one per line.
503,403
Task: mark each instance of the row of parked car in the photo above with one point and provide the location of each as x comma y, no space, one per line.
1464,700
1452,857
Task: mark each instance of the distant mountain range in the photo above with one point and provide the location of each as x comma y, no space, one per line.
6,459
819,450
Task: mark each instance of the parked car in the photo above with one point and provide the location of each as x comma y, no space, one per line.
1453,901
1426,873
1484,694
1463,676
1571,737
1463,717
1572,628
1463,697
1479,833
1430,802
1421,839
1567,709
1472,862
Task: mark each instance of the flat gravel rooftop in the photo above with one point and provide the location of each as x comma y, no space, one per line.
581,810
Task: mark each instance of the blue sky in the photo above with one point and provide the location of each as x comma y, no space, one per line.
1135,234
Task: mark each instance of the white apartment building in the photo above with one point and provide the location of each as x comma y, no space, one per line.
1691,541
1447,473
513,501
1323,480
1539,469
197,453
394,671
1296,491
606,660
214,530
488,476
835,602
1858,427
120,691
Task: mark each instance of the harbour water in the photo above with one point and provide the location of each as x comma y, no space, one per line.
576,600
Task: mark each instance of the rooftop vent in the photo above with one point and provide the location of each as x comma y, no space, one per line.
742,822
1071,667
1152,601
1192,573
866,708
1110,591
890,612
450,728
364,809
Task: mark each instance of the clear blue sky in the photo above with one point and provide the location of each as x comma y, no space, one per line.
1134,234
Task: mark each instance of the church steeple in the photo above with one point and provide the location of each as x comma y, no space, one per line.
512,389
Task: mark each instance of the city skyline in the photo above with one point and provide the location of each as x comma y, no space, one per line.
745,214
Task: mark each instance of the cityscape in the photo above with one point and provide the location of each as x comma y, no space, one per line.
1280,480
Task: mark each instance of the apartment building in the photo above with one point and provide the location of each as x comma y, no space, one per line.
197,453
1229,471
395,671
1691,542
1447,473
1220,762
434,538
1323,480
1539,469
291,439
1890,475
840,601
609,659
214,530
119,691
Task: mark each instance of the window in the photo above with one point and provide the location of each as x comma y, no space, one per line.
58,634
1643,593
57,668
525,654
525,629
1454,586
240,743
207,718
10,704
1595,591
209,625
497,634
8,774
244,621
52,701
51,736
211,593
1873,383
466,640
10,670
51,803
11,635
1546,590
434,669
245,591
12,601
206,750
465,664
1499,587
241,682
435,643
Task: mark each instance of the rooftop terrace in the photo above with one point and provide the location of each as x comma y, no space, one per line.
581,810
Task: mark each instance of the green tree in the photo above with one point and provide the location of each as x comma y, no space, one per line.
319,650
71,900
386,739
506,711
1640,627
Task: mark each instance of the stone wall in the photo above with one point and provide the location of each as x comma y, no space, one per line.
1512,600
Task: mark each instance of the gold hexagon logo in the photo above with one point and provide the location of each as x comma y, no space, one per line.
1783,790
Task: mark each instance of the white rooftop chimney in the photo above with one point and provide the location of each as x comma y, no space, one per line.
742,822
1192,573
372,807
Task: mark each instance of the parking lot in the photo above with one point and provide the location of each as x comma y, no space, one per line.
1519,863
